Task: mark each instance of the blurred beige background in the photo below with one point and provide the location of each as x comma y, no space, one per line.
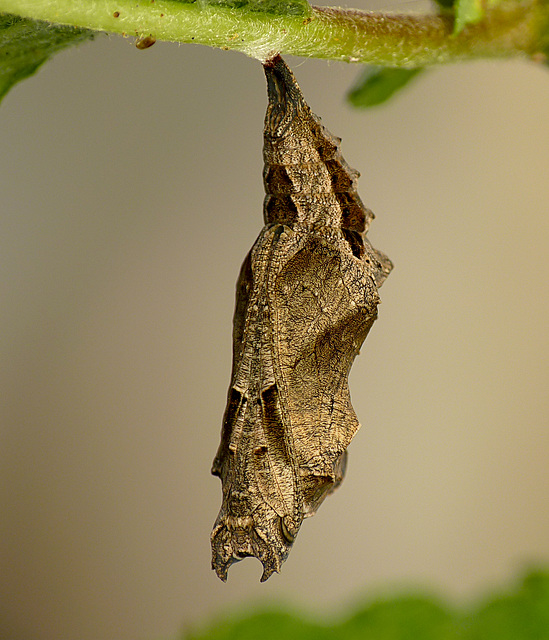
130,192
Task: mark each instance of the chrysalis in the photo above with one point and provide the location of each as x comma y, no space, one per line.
305,301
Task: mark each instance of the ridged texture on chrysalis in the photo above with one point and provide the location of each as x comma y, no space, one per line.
305,301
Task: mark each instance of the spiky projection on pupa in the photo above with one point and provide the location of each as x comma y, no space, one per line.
306,298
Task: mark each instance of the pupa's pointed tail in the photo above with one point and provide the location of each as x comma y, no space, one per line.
232,543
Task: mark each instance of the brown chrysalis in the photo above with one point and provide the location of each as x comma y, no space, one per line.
305,301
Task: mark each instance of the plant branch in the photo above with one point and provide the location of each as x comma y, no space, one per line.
513,28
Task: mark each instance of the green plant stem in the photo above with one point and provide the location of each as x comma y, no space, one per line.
514,28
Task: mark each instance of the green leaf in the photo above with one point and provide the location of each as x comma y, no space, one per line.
467,12
471,12
378,84
27,44
269,625
519,614
403,618
446,4
523,615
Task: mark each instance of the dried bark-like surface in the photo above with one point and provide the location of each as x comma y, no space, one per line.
305,301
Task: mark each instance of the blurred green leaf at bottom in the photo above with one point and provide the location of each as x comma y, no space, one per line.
378,84
521,613
269,625
411,617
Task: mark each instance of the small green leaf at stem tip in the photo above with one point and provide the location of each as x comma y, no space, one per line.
446,4
471,12
26,44
378,84
272,7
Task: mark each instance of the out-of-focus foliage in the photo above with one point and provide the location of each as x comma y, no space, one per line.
269,625
408,617
446,4
471,12
518,614
378,84
467,11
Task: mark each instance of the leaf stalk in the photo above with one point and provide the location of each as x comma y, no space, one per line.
514,28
